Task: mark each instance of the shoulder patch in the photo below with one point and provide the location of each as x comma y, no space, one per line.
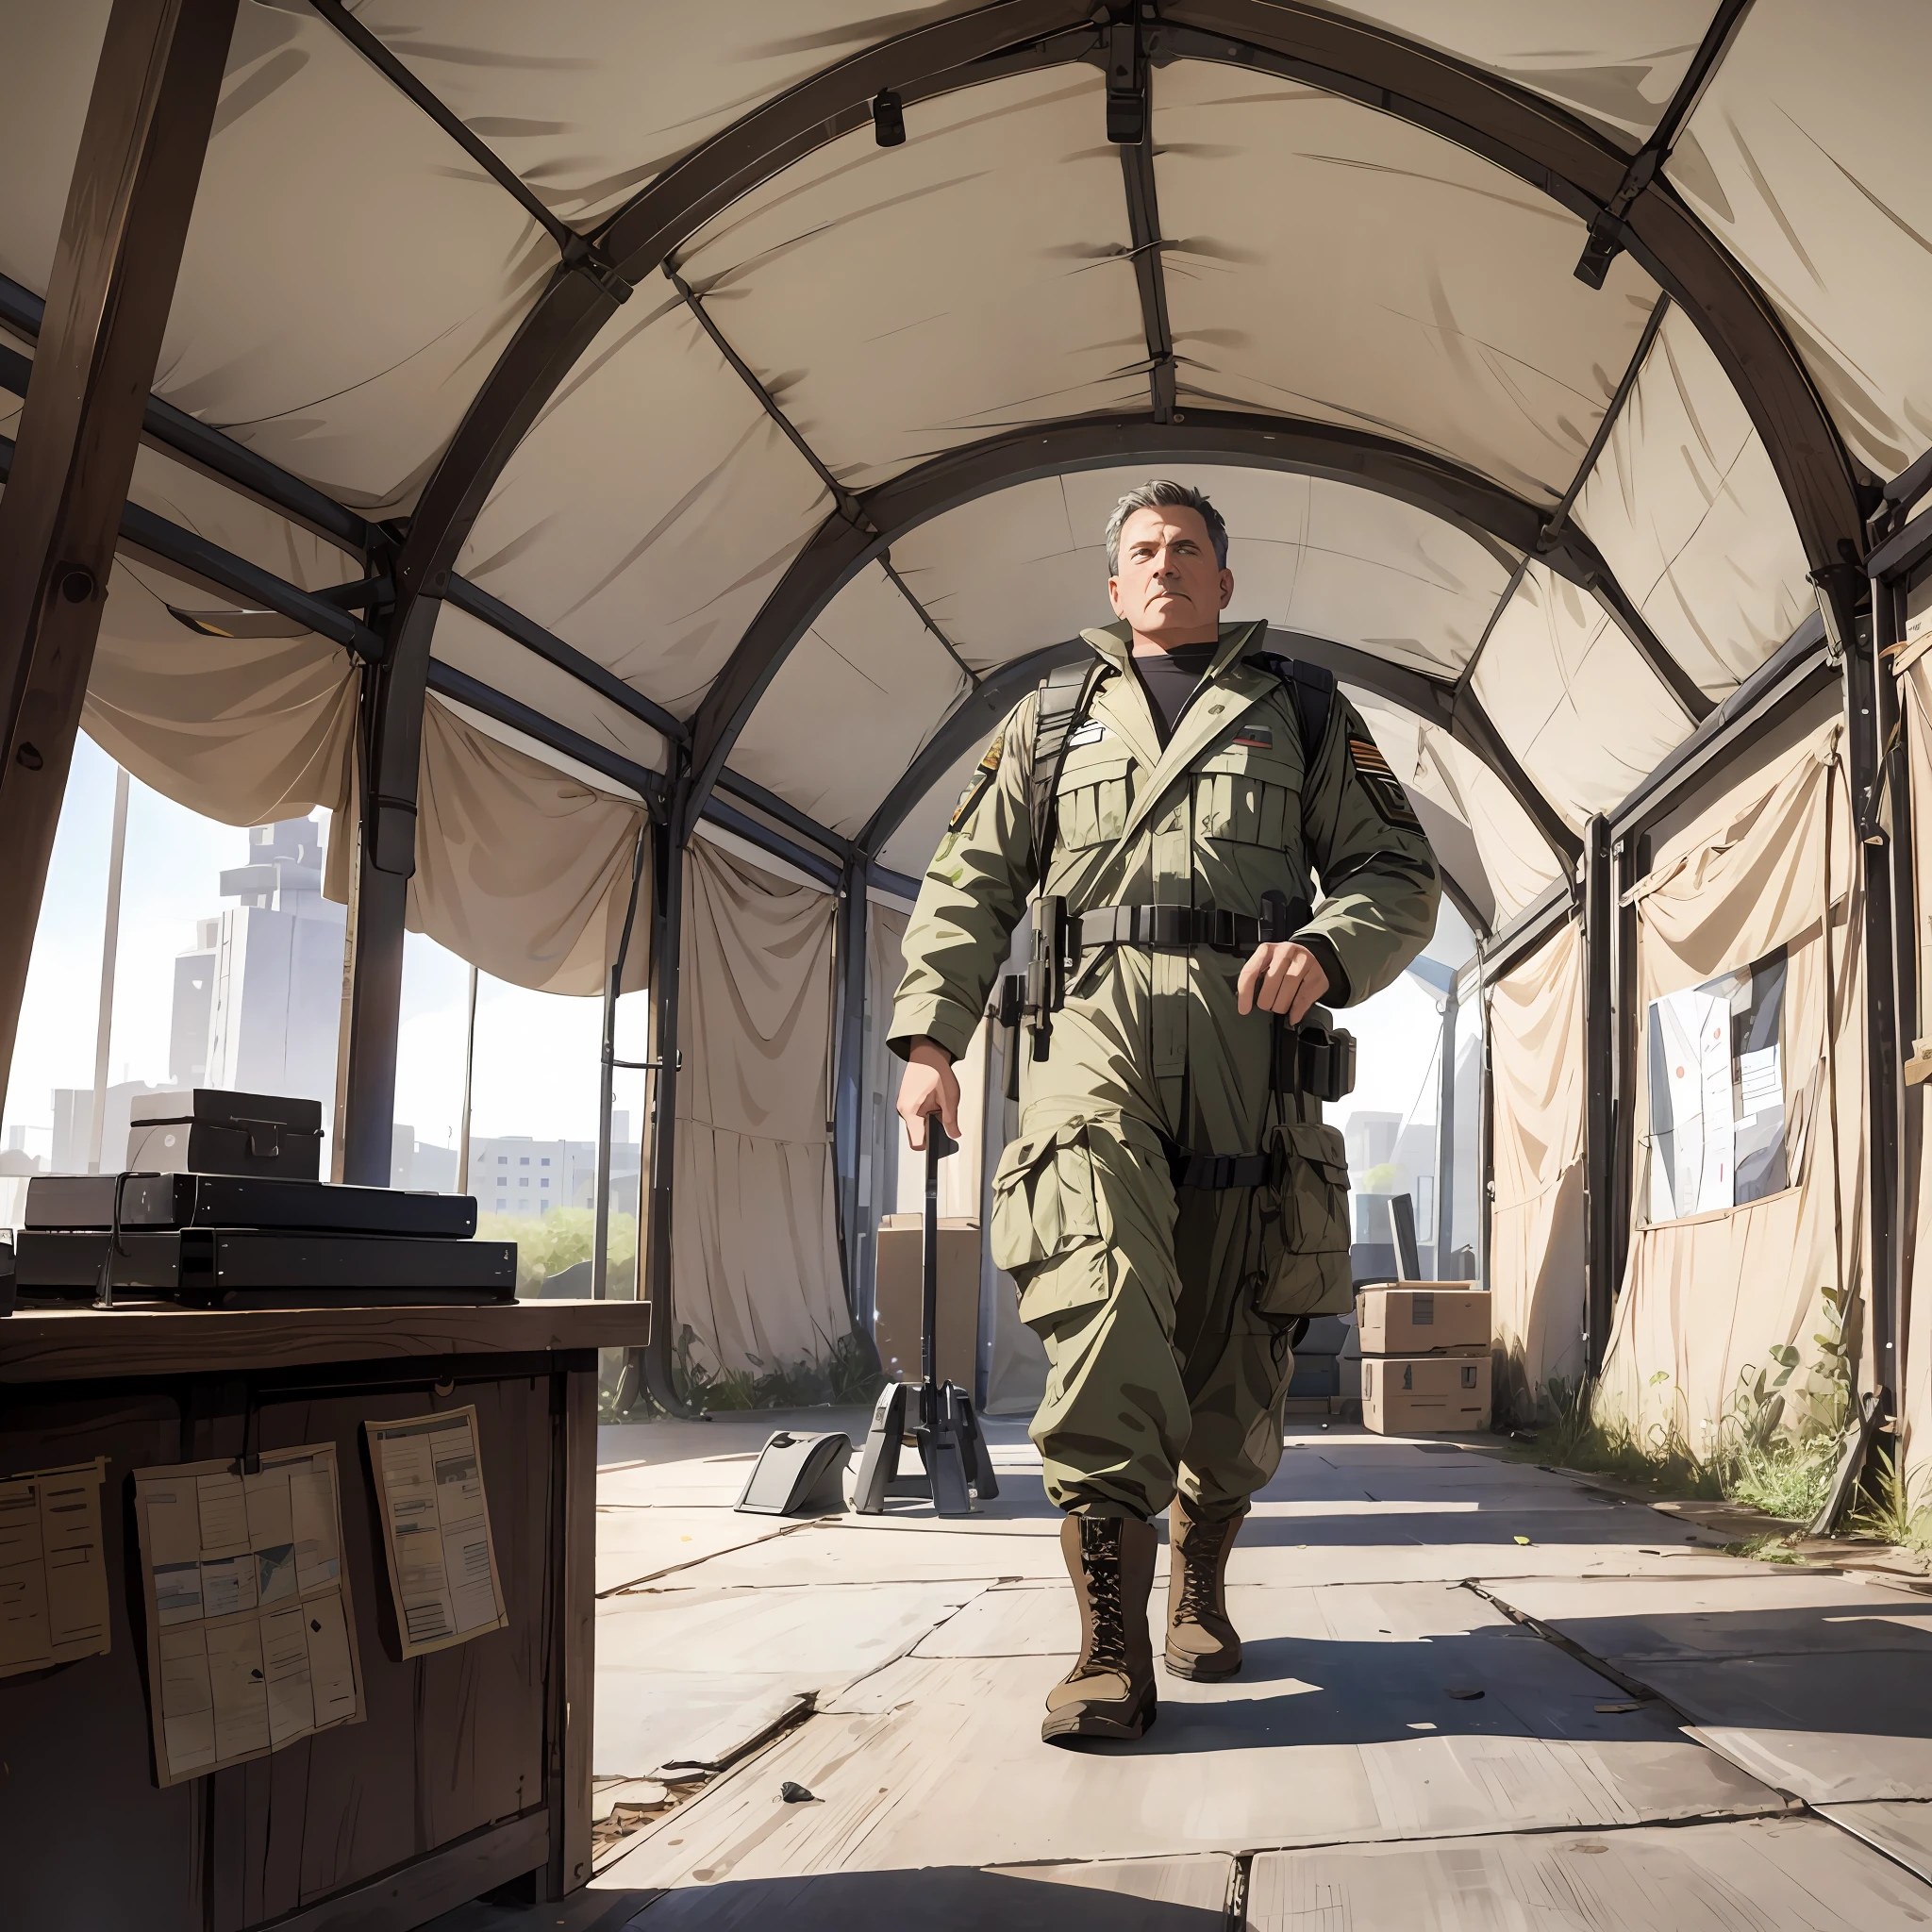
1379,781
983,775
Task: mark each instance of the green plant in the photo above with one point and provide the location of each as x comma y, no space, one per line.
1893,1511
1764,1549
549,1244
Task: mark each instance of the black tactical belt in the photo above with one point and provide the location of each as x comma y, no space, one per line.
1191,1169
1181,928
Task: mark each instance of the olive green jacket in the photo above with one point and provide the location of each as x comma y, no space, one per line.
1224,813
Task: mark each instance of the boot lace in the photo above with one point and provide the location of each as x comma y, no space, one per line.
1202,1559
1100,1557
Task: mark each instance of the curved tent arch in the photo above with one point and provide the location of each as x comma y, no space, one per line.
843,546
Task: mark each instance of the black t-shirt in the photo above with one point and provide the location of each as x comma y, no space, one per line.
1170,678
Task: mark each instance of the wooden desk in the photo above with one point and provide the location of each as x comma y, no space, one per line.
472,1769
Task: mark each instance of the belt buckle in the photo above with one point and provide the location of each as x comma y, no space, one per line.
1224,929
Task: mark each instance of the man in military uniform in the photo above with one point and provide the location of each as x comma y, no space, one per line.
1173,1203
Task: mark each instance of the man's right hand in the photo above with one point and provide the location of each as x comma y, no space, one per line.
929,1086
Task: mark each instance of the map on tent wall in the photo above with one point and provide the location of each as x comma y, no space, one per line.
1717,1098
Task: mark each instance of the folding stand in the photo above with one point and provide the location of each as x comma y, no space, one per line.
952,1452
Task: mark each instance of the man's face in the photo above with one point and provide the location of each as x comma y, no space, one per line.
1169,588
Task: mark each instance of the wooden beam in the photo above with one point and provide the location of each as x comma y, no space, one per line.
129,206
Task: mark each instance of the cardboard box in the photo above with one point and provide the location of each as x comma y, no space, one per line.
1425,1394
1425,1318
896,1299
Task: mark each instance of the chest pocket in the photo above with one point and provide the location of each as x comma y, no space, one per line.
1095,790
1248,798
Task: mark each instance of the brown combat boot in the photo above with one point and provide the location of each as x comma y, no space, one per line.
1201,1643
1110,1692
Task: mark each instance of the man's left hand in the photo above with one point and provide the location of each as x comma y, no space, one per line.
1282,979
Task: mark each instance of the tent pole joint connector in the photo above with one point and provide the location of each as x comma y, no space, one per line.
581,256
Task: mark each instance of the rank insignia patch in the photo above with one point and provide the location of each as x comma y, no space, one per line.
1381,784
983,775
1254,738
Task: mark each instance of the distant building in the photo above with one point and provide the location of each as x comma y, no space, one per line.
257,1000
512,1174
74,1113
1369,1137
421,1166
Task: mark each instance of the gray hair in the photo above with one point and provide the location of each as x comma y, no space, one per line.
1162,492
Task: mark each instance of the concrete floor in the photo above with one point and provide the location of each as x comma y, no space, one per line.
1476,1696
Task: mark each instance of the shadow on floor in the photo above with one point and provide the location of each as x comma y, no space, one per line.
939,1899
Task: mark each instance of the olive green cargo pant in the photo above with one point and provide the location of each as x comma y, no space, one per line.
1166,1313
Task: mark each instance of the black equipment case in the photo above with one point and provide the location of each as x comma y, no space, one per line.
210,1130
237,1200
250,1268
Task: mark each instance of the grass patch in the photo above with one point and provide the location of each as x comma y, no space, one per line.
1774,1448
1892,1512
1764,1549
844,1375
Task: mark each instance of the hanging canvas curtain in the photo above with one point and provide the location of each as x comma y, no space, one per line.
756,1261
247,730
522,869
1536,1227
1749,1110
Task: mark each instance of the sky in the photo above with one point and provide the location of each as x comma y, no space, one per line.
536,1054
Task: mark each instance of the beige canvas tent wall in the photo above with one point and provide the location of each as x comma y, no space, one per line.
1539,360
1536,1261
1707,1294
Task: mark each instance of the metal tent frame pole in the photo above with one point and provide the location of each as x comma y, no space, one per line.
848,1081
655,1233
1599,1091
110,949
129,205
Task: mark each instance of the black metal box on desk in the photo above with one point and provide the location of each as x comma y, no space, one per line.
249,1234
212,1130
226,1200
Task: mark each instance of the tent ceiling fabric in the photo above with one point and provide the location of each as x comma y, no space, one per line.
590,101
901,301
1613,67
1517,862
340,299
650,508
1686,511
1326,260
1574,700
851,707
1809,185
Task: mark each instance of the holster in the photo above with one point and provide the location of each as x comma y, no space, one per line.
1315,1060
1047,970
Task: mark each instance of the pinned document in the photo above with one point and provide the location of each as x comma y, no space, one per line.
251,1638
436,1528
53,1577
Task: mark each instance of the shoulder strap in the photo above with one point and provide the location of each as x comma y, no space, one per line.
1065,693
1314,696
